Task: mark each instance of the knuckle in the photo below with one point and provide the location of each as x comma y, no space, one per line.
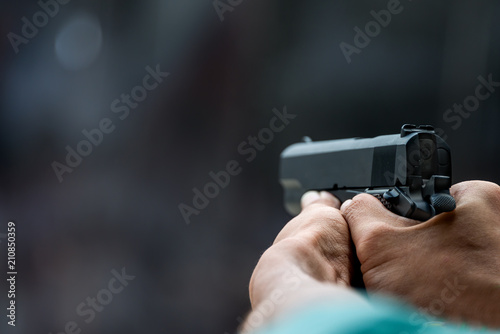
316,218
358,204
323,228
477,191
362,198
491,192
323,213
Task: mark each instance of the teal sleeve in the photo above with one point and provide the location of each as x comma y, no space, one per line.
381,316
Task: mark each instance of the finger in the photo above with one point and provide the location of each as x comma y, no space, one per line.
308,198
320,210
365,214
324,197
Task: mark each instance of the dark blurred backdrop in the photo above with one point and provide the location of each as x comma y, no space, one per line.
119,208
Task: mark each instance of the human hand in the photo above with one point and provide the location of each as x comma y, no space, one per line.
448,265
310,260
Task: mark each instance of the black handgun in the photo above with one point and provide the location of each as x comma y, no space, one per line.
410,172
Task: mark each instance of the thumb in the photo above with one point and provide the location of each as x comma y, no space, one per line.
365,215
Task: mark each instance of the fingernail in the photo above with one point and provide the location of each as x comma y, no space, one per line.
309,197
345,205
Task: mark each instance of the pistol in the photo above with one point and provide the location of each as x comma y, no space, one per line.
409,172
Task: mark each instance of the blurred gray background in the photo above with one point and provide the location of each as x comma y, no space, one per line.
119,207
